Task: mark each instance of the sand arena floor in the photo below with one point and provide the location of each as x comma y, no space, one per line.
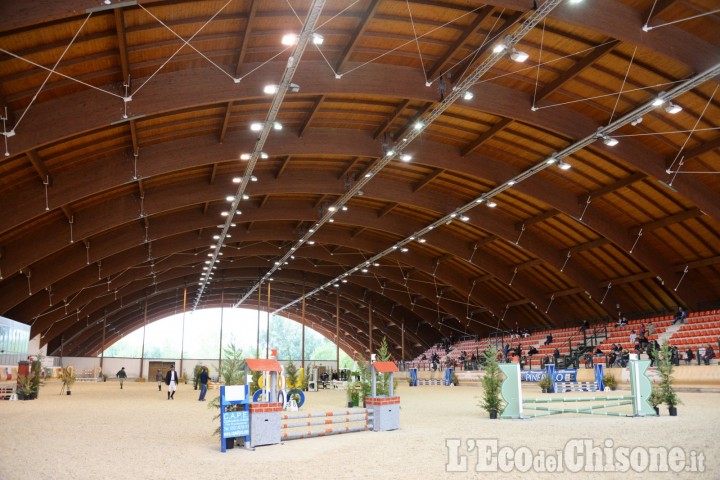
102,432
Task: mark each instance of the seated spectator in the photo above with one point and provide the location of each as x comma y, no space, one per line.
680,316
622,321
624,358
709,354
689,355
633,336
585,326
674,354
549,339
545,360
651,328
532,351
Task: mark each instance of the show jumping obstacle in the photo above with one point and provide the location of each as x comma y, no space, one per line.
361,419
640,386
265,423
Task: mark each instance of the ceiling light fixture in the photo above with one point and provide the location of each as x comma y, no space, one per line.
610,141
317,39
245,156
253,178
499,48
230,198
256,126
636,122
404,249
492,204
464,218
518,55
422,240
270,89
237,179
673,108
277,125
405,157
468,95
419,125
289,39
564,165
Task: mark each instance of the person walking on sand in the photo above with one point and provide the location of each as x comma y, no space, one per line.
204,377
159,379
122,376
171,380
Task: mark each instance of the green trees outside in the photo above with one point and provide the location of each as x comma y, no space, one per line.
163,338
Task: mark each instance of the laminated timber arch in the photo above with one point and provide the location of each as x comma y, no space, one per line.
101,213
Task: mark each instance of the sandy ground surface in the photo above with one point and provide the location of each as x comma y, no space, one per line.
102,432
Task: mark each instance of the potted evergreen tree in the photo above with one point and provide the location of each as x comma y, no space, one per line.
491,401
232,372
68,378
293,382
610,382
545,384
382,387
665,367
25,387
655,398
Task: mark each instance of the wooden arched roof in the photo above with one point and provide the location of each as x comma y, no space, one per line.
125,122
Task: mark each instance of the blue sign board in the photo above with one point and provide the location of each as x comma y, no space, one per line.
565,375
236,424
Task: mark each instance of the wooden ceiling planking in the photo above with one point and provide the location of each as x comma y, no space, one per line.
621,194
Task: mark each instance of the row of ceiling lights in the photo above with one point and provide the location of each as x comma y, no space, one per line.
461,91
270,89
515,55
554,159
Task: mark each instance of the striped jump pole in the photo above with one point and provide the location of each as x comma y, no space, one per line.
578,399
586,410
361,417
640,386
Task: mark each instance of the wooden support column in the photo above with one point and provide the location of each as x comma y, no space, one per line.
222,311
370,330
337,331
257,344
142,352
302,347
267,332
102,347
182,340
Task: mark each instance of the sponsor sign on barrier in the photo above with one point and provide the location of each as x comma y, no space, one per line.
565,375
